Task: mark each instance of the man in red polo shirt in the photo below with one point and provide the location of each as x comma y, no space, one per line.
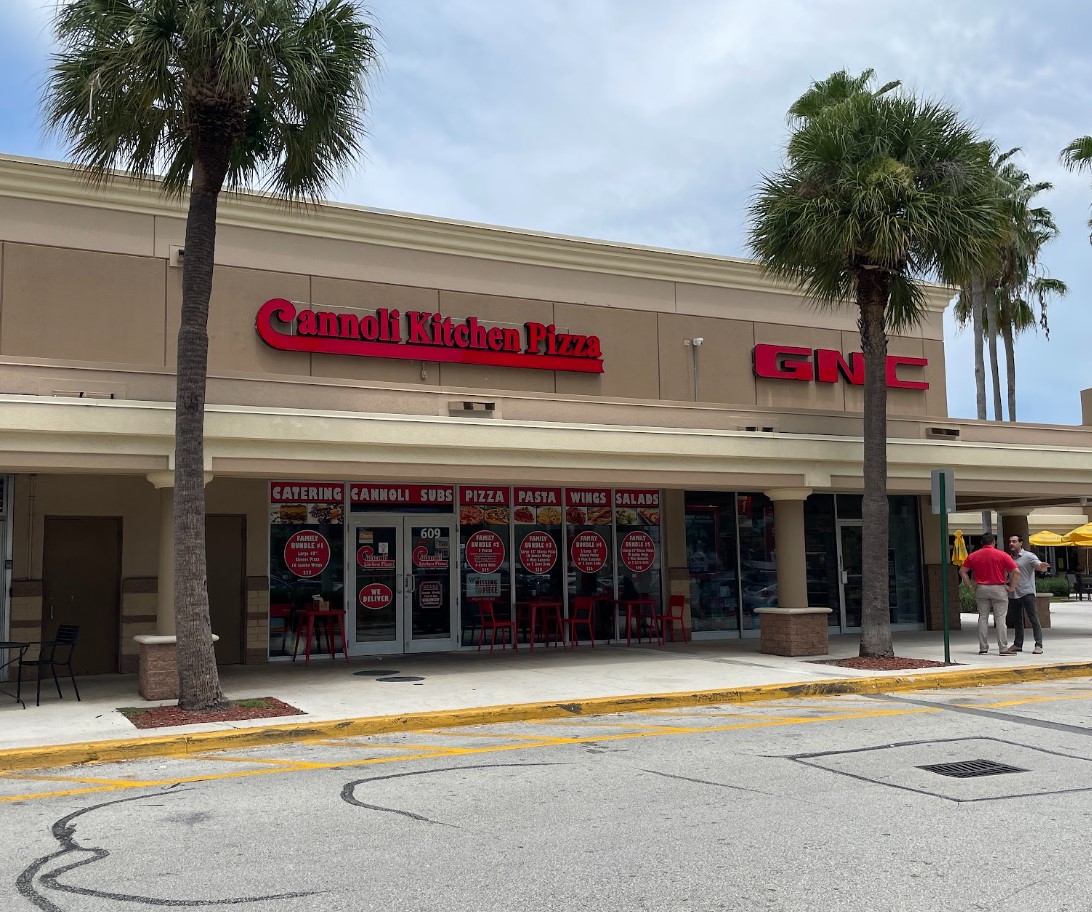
994,579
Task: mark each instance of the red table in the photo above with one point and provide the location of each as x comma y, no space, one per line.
551,616
306,617
635,607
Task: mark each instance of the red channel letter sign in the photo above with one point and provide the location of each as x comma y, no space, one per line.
825,365
419,335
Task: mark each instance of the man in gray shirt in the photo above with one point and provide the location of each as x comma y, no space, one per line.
1022,597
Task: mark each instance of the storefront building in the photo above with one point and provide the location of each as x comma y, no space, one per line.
408,415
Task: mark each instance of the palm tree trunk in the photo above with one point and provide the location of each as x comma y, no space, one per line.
1007,333
198,680
872,294
978,299
991,332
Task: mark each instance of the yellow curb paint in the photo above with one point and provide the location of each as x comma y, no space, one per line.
48,756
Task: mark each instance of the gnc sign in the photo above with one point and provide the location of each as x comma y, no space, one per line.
825,365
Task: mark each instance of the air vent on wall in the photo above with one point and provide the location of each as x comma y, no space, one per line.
942,433
476,407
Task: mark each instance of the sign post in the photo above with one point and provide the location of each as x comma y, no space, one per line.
943,490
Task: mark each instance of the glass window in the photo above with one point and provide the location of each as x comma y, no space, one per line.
485,549
306,557
904,542
757,556
540,569
590,560
711,556
820,545
637,528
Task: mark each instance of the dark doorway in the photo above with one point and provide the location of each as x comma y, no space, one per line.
225,551
81,584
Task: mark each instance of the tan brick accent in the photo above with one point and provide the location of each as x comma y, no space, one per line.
139,615
26,617
794,634
934,615
158,671
257,620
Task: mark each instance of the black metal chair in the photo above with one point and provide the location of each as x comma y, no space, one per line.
51,654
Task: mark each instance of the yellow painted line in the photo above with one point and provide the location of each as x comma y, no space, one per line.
462,752
1021,702
29,777
264,736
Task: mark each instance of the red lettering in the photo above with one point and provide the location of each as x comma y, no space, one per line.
783,362
536,334
496,339
893,364
418,328
829,364
461,335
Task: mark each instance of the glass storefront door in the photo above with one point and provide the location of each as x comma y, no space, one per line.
850,539
402,583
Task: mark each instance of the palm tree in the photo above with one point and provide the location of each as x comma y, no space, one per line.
880,191
1077,156
211,94
1005,287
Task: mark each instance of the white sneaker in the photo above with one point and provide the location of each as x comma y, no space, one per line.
1038,650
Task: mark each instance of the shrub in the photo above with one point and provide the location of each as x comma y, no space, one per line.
1057,586
968,604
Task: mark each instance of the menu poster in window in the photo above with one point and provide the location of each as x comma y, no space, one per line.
307,553
588,551
536,506
484,505
538,552
485,551
638,551
637,507
588,507
305,504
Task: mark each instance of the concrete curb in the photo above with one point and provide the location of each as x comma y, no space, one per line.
178,745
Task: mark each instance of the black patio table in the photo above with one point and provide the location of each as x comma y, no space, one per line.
14,651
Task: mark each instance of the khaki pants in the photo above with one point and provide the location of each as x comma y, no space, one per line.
996,598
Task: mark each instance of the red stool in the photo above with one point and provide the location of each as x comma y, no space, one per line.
327,616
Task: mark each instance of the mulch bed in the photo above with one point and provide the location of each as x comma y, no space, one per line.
892,664
236,710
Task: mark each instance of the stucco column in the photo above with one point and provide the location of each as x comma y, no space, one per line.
164,483
1013,524
792,570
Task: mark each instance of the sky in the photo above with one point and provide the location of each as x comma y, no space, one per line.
651,123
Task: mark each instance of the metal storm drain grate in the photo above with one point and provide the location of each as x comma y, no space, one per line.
969,769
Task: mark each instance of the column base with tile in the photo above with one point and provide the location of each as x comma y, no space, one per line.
794,631
158,672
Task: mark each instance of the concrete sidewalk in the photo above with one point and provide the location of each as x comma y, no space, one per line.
345,699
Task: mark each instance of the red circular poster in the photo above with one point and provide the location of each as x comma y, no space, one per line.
485,552
589,552
538,552
638,551
375,596
306,553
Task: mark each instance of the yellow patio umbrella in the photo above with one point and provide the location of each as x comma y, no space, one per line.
1082,535
959,549
1050,540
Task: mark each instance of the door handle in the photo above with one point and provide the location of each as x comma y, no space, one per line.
845,577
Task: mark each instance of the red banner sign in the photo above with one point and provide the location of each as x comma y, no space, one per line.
493,495
306,553
369,560
538,552
625,497
536,497
440,495
588,506
305,492
420,335
485,551
375,596
638,551
824,365
589,552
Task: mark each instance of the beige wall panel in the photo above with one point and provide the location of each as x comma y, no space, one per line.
760,306
79,227
931,326
899,401
936,398
247,497
340,295
82,306
724,359
269,250
504,312
1086,406
234,346
798,393
630,345
132,498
